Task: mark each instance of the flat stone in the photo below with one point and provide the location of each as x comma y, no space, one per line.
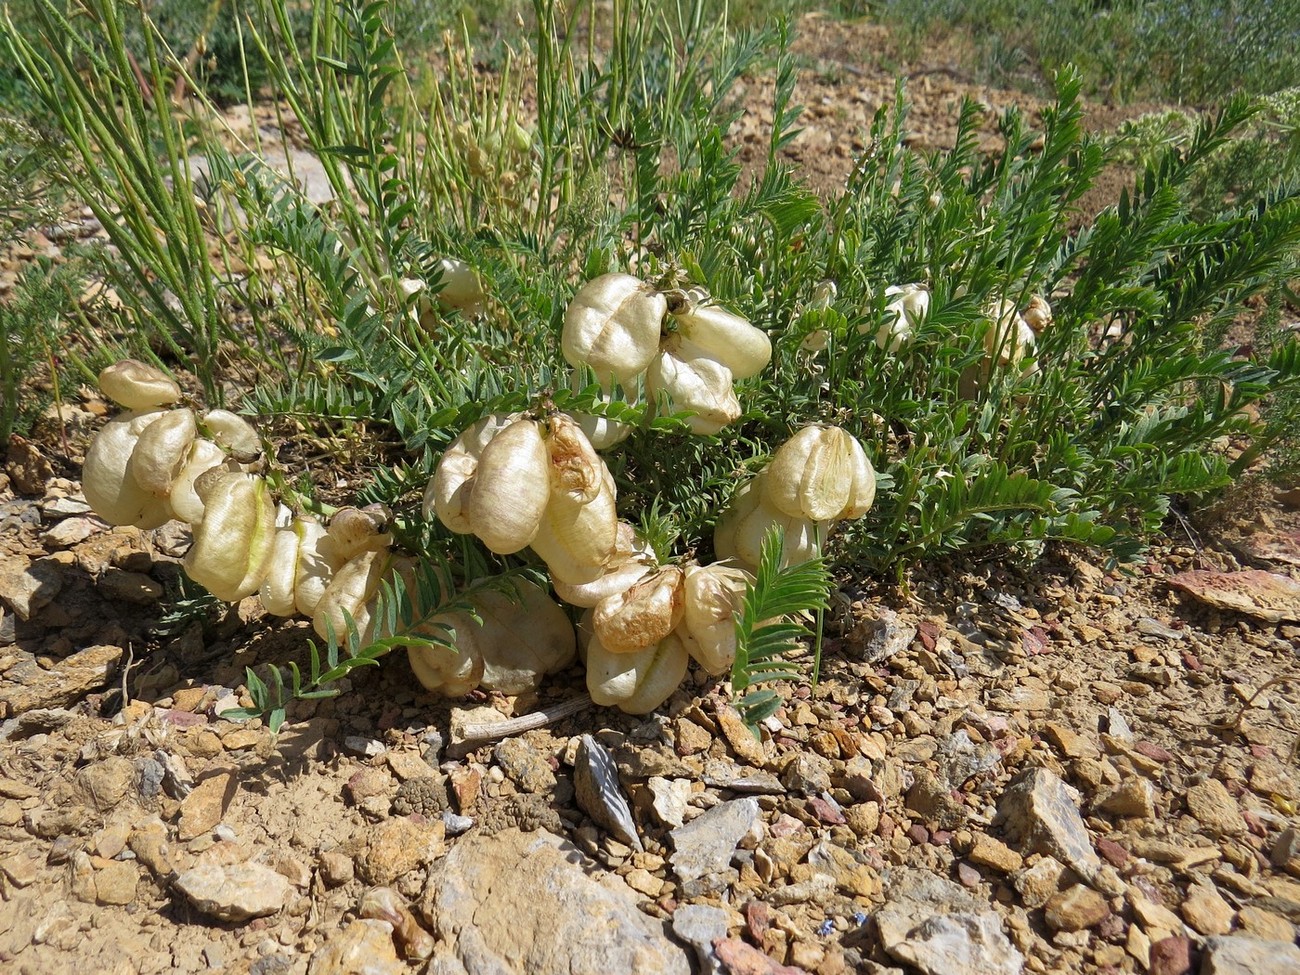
129,587
26,686
876,640
725,774
107,782
115,882
1135,797
1264,924
699,926
336,868
1171,956
1039,883
1076,908
1215,808
204,807
743,744
939,928
1041,813
28,587
364,947
670,799
599,794
525,766
69,532
236,892
989,852
961,759
1244,955
396,847
705,845
530,903
1206,911
1264,595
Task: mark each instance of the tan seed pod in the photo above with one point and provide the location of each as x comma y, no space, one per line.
643,614
232,432
315,566
110,490
811,474
356,530
863,493
740,531
525,636
575,539
449,489
162,451
352,591
613,325
202,456
138,386
692,381
576,469
232,544
510,489
637,682
633,559
713,596
726,338
451,672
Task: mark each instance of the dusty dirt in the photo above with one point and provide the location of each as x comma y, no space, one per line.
1164,730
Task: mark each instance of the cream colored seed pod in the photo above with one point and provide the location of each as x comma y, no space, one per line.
315,566
356,530
644,613
293,549
110,490
602,432
351,591
740,531
862,495
637,682
525,636
449,489
461,287
233,432
812,474
726,338
633,560
138,386
577,540
162,451
713,596
185,503
910,305
510,489
576,469
612,325
444,670
694,382
232,544
1037,314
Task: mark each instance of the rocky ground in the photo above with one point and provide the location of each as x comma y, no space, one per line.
1004,769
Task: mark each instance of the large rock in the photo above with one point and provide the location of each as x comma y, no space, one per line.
940,929
28,587
1041,813
364,947
703,847
528,904
27,686
1242,955
237,892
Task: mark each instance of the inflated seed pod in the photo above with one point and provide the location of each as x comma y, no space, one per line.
138,386
510,489
162,451
637,682
185,503
693,381
1009,341
1037,314
449,489
612,325
460,286
451,672
633,559
356,530
576,539
351,591
740,531
232,432
576,469
525,636
713,596
232,544
862,495
292,550
110,490
602,432
316,567
725,337
910,305
812,474
642,614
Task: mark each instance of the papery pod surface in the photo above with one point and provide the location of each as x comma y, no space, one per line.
862,495
352,590
277,589
576,539
644,613
612,325
441,669
460,286
202,457
109,488
602,432
524,637
726,338
233,432
449,489
811,474
232,544
633,560
576,469
714,595
138,385
638,682
162,450
355,530
909,305
696,383
740,531
314,569
510,489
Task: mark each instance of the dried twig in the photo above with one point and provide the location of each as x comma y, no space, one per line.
468,737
